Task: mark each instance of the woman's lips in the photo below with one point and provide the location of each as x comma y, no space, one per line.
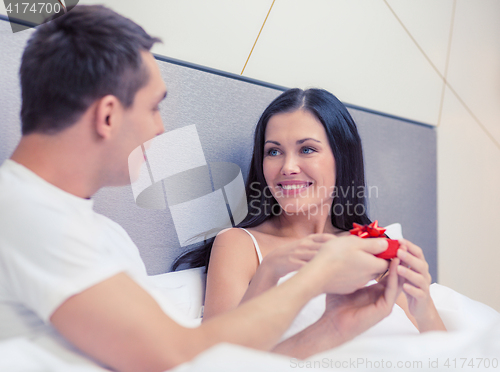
290,188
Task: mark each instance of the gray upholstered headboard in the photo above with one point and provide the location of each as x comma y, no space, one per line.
400,155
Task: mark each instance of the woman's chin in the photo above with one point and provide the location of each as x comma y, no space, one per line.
294,212
311,210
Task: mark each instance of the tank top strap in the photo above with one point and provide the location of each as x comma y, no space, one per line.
257,248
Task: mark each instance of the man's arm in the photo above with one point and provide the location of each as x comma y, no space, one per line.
121,325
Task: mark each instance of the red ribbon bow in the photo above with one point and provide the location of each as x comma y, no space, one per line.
374,231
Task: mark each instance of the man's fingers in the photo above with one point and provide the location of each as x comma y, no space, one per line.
373,246
393,286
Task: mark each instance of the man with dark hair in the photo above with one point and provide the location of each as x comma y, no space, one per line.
81,57
91,90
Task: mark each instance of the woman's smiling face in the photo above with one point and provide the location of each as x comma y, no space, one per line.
298,164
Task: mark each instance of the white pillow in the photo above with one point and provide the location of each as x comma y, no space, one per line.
394,231
185,289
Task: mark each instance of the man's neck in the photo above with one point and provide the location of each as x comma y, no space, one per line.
59,161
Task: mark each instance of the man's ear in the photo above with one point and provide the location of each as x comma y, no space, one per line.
108,115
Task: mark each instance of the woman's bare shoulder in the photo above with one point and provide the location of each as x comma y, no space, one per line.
232,236
267,227
233,249
235,243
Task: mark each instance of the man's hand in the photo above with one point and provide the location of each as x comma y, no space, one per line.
348,263
345,317
349,315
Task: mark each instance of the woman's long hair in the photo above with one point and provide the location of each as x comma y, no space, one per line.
349,202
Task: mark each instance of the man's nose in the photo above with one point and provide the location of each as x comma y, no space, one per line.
161,127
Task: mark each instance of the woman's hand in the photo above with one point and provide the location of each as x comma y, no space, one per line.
416,288
283,260
291,257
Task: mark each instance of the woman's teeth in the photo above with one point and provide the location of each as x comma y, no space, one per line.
293,187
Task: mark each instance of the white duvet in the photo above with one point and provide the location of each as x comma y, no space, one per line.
472,343
471,350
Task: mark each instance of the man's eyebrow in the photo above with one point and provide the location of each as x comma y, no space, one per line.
161,98
305,139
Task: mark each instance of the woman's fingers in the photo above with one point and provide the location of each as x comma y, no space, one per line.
304,255
297,263
302,245
417,279
321,238
413,291
413,248
313,247
417,264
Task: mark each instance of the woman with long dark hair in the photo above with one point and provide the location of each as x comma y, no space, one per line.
306,177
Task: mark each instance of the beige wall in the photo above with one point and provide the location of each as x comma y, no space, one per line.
390,56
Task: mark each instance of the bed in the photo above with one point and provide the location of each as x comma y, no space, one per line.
214,113
471,343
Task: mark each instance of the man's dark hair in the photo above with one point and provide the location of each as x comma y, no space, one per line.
75,59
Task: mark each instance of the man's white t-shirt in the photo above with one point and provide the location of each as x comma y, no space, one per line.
53,246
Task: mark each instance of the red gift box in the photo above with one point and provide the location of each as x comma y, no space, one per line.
374,231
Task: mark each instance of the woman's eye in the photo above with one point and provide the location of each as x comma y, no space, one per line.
308,150
273,152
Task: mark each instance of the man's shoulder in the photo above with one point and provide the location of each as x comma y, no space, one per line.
31,206
35,213
21,197
17,197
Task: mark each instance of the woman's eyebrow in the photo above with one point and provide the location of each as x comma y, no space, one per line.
305,139
299,142
276,143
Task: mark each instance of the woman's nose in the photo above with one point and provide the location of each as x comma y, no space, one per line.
290,166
